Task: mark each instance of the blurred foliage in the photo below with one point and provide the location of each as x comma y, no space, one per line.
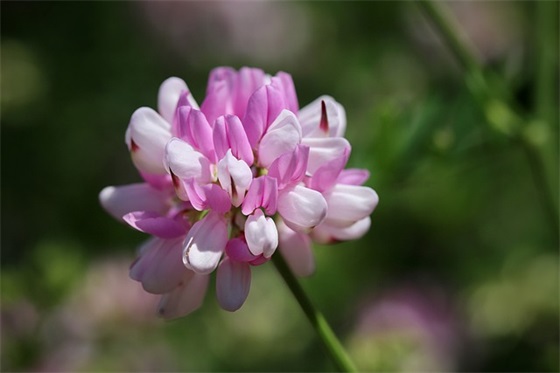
459,210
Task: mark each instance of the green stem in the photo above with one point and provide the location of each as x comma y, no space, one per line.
498,112
336,352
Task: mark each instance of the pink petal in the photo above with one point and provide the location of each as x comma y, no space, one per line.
289,91
121,200
146,137
302,208
233,282
263,192
218,99
326,233
217,199
205,243
324,150
248,81
235,177
238,250
296,249
350,203
194,129
290,167
283,136
310,118
185,298
155,224
186,163
230,134
353,176
261,234
160,268
326,176
158,181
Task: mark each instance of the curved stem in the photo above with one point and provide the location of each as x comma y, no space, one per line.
333,346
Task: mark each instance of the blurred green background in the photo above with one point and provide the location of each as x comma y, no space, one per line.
459,271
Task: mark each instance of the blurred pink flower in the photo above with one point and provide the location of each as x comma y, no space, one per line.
227,182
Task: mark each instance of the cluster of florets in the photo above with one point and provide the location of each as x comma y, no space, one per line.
231,181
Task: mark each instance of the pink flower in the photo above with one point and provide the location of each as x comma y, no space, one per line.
229,182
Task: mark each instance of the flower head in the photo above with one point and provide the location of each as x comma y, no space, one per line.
229,182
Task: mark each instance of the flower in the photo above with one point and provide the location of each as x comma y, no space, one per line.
229,182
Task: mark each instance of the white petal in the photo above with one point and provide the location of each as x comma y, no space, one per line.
235,177
283,135
120,200
146,137
350,203
296,249
205,243
261,234
186,163
185,298
310,117
233,282
325,233
323,150
302,208
168,96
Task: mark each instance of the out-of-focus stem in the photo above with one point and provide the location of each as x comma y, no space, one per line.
333,346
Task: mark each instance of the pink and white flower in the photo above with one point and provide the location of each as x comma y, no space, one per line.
229,182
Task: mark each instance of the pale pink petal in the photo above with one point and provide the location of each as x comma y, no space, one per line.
160,268
158,181
353,176
248,81
168,97
121,200
350,203
235,177
283,136
310,118
185,298
261,234
326,176
194,129
219,100
302,208
296,249
290,167
323,150
230,134
155,224
205,243
326,233
146,137
233,282
263,192
186,163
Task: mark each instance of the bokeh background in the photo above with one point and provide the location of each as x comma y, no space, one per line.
458,273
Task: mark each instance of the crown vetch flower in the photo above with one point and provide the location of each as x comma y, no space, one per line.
229,182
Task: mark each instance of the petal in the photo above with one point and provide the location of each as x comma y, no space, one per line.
310,118
350,203
261,234
155,224
353,176
186,163
326,233
283,136
230,134
121,200
289,91
296,249
302,208
263,192
326,176
219,100
290,167
185,298
160,268
158,181
235,177
205,243
247,82
195,130
146,137
323,150
238,250
168,97
233,282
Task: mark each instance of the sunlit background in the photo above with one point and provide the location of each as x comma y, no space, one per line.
459,271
